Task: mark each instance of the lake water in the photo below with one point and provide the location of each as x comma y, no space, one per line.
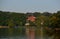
24,37
21,32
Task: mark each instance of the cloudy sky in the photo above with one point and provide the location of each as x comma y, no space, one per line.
30,5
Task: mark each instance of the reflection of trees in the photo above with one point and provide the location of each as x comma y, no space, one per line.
55,24
3,32
51,22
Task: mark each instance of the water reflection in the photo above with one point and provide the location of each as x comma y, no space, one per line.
20,33
24,37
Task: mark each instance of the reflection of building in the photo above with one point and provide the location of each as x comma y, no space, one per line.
30,32
30,29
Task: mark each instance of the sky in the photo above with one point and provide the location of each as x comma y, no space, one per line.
30,5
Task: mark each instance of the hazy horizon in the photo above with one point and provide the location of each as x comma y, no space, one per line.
25,6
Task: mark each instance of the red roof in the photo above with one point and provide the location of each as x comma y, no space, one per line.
31,18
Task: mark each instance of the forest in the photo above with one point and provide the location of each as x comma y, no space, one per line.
15,21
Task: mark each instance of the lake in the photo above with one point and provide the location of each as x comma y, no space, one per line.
21,33
24,37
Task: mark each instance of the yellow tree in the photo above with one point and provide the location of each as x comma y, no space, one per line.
40,21
10,29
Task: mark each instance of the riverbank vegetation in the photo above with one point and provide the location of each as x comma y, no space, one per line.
15,21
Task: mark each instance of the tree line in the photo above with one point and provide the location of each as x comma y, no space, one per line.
19,19
14,19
